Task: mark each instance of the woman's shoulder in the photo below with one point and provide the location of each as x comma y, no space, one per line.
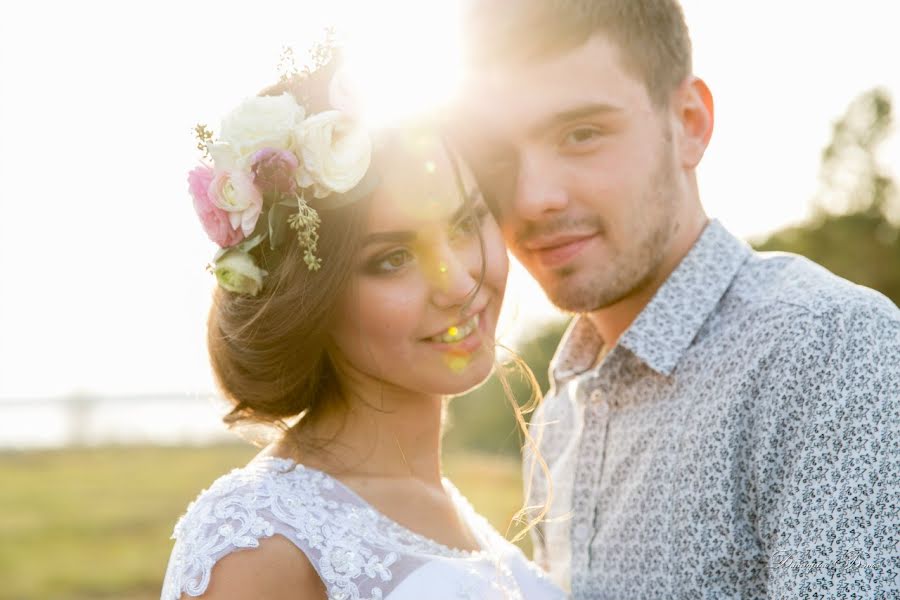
267,505
275,569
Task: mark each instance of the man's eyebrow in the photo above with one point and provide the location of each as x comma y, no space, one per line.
592,109
405,237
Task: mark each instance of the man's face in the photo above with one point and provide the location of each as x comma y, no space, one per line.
582,170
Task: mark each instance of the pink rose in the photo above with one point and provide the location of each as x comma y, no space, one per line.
234,192
273,171
215,221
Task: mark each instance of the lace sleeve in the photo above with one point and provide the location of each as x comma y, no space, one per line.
259,501
221,520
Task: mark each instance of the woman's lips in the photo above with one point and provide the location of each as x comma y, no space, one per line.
557,256
468,344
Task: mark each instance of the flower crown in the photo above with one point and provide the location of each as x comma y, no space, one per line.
272,166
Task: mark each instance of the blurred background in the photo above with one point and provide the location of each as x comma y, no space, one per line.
109,423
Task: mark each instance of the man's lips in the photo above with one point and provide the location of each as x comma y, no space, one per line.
554,241
558,250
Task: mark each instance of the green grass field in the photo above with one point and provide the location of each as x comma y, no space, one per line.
95,522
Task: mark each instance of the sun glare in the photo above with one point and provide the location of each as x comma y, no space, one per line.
403,57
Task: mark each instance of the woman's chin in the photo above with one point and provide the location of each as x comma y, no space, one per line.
467,371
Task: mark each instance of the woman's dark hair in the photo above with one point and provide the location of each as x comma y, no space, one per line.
270,352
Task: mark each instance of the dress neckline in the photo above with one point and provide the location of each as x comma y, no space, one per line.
463,508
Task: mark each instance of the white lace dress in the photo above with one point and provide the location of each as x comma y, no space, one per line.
357,551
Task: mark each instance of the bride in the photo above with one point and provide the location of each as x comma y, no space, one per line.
359,281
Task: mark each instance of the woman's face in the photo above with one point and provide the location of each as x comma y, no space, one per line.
411,317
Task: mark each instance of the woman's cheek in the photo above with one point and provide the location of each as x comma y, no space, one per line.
391,308
496,258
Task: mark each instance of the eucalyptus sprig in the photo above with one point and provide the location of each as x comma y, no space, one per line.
287,65
306,223
204,138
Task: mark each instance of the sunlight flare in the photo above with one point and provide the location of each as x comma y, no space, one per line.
403,58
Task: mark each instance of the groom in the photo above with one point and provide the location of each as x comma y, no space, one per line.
721,423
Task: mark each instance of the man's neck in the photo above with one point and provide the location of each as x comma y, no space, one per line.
612,321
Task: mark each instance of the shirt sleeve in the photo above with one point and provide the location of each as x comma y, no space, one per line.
828,467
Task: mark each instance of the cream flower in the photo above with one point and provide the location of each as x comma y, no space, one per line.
336,151
224,157
257,123
234,192
236,272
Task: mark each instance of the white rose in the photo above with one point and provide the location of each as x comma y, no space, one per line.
236,272
336,151
259,122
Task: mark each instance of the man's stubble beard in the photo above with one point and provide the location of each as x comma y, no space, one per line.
633,270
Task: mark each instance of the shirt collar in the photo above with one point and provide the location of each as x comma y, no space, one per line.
666,327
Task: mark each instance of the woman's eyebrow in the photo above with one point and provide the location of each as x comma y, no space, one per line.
405,237
396,237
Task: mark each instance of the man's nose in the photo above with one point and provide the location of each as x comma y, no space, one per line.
538,190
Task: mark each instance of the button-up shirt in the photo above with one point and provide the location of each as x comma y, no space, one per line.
740,440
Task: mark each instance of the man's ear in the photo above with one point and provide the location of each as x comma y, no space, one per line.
692,105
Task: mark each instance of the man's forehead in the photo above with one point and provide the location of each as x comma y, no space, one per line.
504,100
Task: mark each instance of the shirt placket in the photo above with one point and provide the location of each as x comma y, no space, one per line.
586,497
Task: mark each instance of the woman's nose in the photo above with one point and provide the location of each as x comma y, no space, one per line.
454,276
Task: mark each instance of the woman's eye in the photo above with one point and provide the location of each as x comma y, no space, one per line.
467,225
394,261
471,223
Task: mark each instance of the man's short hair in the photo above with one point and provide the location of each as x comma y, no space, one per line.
651,34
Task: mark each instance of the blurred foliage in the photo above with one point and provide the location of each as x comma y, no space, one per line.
483,419
855,228
94,523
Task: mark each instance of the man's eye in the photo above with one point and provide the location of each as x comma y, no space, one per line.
582,135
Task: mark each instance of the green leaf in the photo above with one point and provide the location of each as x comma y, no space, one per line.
278,223
251,243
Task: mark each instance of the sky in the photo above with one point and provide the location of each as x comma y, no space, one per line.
102,281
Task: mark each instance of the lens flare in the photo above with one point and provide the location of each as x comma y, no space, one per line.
403,56
457,362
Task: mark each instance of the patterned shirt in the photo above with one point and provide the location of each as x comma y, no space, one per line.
739,441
